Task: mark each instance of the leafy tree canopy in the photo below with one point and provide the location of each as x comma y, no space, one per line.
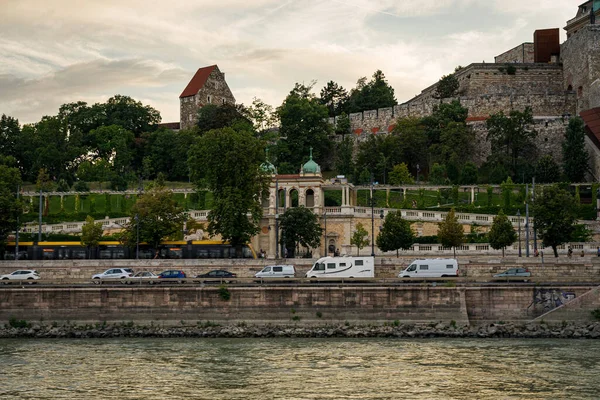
213,116
158,215
502,233
334,97
575,155
451,232
555,215
547,170
227,162
377,93
360,238
10,207
395,234
400,175
91,232
447,87
300,226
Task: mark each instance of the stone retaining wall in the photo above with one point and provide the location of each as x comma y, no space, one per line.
332,304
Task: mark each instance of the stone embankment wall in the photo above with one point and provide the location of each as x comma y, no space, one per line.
280,304
562,270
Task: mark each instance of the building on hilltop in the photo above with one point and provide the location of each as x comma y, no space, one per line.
584,17
208,86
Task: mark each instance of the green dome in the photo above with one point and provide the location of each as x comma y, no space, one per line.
311,167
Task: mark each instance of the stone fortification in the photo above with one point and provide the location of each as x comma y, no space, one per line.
523,53
581,63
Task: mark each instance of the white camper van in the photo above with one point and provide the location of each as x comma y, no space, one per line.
277,271
343,267
431,268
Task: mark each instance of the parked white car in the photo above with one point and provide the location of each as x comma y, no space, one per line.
431,268
143,276
113,273
277,271
20,275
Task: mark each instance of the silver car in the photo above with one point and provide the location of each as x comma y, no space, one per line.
112,274
142,276
514,273
21,275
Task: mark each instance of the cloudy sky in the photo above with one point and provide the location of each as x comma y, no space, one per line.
58,51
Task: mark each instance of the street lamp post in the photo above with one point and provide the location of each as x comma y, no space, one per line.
18,228
519,221
276,218
372,219
137,237
325,219
418,170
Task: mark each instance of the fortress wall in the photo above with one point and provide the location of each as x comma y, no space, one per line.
581,61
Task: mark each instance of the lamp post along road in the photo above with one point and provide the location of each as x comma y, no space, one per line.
372,219
137,237
18,229
40,218
325,219
519,221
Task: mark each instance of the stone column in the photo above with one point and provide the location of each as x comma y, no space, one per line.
387,197
472,194
272,243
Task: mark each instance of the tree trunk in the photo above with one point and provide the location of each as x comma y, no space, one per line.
503,252
397,253
454,248
554,249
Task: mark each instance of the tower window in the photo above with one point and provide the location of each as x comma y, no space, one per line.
208,99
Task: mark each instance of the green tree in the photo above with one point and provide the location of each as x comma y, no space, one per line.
512,140
395,234
400,175
547,170
213,116
263,116
342,125
158,215
91,233
10,132
303,125
344,161
411,142
469,174
555,213
451,232
300,227
360,238
575,156
373,95
447,87
10,207
437,175
502,233
334,97
228,163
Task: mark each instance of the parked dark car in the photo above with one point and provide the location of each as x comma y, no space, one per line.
173,274
217,276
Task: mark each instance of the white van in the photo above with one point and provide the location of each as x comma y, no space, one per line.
431,268
343,267
277,271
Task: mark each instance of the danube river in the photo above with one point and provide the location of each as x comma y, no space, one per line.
299,369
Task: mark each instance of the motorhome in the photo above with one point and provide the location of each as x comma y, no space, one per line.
343,267
431,268
277,271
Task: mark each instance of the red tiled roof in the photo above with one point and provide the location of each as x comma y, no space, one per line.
592,121
197,81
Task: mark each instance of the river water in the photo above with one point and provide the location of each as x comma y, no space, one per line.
299,369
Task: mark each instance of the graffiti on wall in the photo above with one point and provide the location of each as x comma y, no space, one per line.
549,299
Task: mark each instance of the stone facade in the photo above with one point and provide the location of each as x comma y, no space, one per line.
523,53
208,86
581,62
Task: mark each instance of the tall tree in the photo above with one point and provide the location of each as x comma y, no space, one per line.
395,234
10,131
412,142
512,140
334,97
228,163
344,158
10,207
451,232
91,233
300,227
157,216
575,156
303,125
447,87
547,170
502,233
375,94
555,213
360,238
263,116
400,175
213,116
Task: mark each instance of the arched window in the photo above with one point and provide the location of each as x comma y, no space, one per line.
570,88
294,198
310,198
580,91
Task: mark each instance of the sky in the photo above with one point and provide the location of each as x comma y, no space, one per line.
54,52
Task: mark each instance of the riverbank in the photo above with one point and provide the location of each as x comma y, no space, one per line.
567,330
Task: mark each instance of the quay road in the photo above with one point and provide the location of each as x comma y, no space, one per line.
294,282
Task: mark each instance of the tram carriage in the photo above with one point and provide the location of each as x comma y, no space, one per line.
114,250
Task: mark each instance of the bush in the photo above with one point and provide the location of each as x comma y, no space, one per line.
18,323
224,293
81,186
596,314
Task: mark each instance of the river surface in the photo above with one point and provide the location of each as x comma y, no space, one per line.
299,369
